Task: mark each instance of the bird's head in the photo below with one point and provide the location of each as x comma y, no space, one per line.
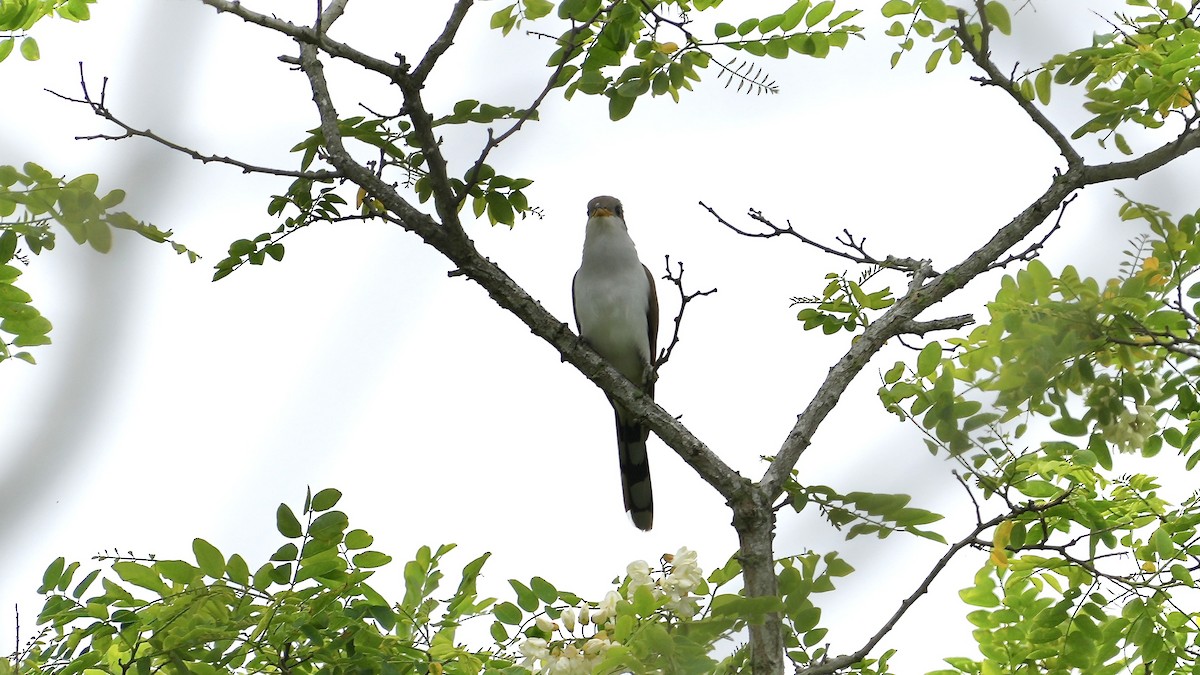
605,205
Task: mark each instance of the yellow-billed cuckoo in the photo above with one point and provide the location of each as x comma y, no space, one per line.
616,312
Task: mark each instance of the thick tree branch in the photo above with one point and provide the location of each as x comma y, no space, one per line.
392,71
508,295
980,54
948,323
922,296
443,41
1036,247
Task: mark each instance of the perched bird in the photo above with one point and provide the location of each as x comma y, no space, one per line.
616,312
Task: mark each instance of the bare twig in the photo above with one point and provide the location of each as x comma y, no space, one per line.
1036,247
684,298
99,107
860,256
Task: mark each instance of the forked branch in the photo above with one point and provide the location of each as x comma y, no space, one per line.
676,278
100,108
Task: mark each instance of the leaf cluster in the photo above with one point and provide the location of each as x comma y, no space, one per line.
308,609
32,199
18,16
666,54
865,512
843,304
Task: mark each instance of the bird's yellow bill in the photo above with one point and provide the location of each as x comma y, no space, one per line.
600,211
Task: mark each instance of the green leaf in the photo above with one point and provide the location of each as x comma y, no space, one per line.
358,539
997,15
325,499
140,575
932,62
369,559
721,30
818,13
526,598
177,570
52,574
928,359
619,107
896,7
1123,145
508,613
211,562
6,47
536,9
1041,86
29,49
286,522
329,525
545,591
1069,427
499,209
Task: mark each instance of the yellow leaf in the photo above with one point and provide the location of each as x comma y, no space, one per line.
1149,566
1002,534
362,196
667,47
1151,263
1000,539
999,558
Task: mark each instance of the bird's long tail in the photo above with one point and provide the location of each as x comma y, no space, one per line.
635,473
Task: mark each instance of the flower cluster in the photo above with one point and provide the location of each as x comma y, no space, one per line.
1129,429
585,633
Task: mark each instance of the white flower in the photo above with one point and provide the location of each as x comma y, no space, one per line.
585,614
685,574
570,661
683,607
607,608
597,645
568,619
544,624
534,650
639,575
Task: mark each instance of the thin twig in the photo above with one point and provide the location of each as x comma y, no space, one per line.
101,110
684,299
1036,247
860,256
838,663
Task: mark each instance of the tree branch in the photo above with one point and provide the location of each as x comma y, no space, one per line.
392,71
1036,247
980,54
921,295
443,41
684,299
860,255
101,110
838,663
509,296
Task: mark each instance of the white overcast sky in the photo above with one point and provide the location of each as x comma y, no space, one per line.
170,407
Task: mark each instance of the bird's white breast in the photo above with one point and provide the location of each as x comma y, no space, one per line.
612,297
